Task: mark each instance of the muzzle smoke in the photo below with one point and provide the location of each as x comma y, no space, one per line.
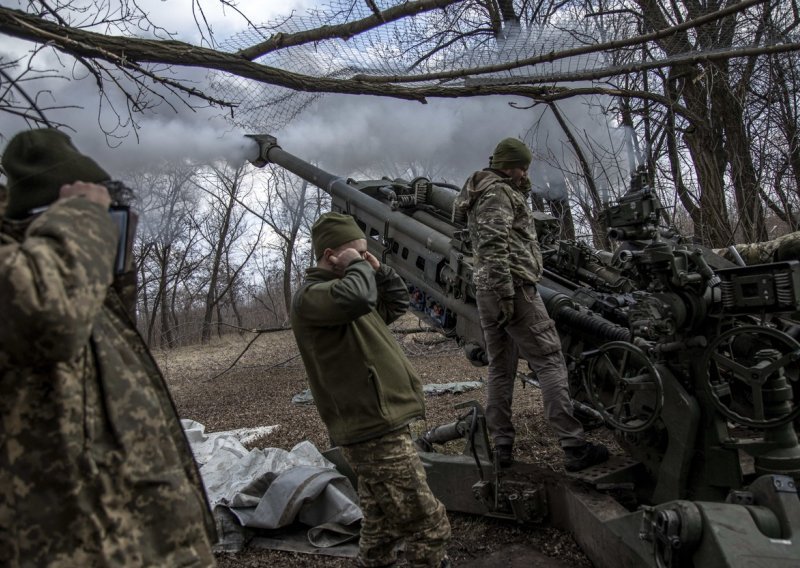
176,142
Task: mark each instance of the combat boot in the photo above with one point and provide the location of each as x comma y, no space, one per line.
587,455
502,454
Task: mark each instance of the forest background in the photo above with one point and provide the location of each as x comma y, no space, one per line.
701,97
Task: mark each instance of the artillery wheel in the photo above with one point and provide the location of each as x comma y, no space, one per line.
624,386
745,365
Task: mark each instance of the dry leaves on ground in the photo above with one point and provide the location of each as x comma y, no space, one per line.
258,391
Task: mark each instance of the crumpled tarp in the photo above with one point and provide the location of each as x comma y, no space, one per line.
452,388
433,389
272,488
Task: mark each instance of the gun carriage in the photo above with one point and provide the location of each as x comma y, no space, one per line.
690,360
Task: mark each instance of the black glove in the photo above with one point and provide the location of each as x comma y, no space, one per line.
506,311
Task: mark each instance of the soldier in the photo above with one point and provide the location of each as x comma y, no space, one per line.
786,247
95,469
367,392
507,266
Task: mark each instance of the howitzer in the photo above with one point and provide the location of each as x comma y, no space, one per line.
410,227
692,363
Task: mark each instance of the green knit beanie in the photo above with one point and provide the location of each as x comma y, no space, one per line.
37,163
332,230
511,153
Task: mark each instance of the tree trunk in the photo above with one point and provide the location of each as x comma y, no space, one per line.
145,306
167,338
211,296
705,137
562,211
599,229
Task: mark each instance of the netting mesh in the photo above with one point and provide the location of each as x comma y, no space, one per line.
396,48
431,42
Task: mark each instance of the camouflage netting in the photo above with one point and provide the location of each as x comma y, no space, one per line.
427,43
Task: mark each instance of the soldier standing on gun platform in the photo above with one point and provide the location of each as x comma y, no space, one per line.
367,392
507,267
95,469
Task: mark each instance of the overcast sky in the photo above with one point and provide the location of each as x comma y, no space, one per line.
344,134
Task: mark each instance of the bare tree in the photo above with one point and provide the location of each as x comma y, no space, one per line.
289,207
689,79
224,225
32,104
102,53
166,235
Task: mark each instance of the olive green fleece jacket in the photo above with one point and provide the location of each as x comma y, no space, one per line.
363,384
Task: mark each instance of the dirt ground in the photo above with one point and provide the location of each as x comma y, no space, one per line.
258,390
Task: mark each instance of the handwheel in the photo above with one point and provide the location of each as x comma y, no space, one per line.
753,377
624,386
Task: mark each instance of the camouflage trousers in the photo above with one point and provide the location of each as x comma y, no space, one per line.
532,334
397,503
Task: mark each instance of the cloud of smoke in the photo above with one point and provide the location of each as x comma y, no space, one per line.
177,141
350,135
357,136
449,139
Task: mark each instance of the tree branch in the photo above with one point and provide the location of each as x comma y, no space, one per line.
554,56
128,52
343,31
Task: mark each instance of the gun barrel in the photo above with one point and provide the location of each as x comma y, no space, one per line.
354,201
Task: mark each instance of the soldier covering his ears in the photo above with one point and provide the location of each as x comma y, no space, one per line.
367,393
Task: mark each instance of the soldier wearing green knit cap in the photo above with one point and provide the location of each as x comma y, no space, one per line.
38,163
94,464
507,267
367,393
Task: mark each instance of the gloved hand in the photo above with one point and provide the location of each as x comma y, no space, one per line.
506,311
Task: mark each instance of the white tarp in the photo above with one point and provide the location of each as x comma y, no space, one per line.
433,389
272,488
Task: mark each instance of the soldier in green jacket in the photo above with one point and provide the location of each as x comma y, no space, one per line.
366,391
507,267
95,469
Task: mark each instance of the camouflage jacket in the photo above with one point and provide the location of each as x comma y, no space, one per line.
362,382
505,249
759,253
94,468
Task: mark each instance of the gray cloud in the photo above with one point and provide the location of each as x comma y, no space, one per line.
344,134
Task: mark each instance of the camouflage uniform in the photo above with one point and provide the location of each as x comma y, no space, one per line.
396,503
95,469
508,264
367,393
785,247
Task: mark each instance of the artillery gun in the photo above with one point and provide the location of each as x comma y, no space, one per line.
692,362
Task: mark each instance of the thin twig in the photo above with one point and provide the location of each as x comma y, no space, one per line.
258,333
